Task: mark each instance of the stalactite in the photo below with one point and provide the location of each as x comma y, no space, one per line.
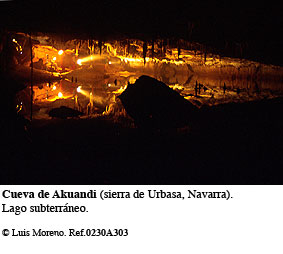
179,50
100,46
93,46
152,48
164,48
128,47
144,51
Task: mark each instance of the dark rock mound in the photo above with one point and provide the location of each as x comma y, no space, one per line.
152,103
64,112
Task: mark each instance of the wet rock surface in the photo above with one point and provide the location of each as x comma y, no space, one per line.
152,103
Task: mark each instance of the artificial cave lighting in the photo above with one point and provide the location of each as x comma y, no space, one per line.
104,70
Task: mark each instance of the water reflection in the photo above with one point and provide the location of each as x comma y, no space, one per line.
93,89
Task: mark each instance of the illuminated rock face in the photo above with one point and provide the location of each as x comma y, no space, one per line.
152,103
61,66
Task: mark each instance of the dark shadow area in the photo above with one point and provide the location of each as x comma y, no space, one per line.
231,144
